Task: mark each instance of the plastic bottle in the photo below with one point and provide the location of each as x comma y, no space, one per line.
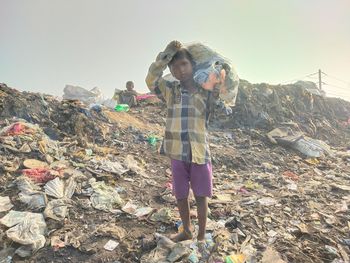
122,107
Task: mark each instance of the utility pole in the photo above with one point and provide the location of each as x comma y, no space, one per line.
319,79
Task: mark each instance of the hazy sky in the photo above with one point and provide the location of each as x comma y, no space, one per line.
47,44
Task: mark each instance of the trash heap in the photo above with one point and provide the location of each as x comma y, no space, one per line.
264,106
82,184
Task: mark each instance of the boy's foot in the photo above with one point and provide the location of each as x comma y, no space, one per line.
182,236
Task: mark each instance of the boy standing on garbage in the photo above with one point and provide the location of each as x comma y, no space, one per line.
185,140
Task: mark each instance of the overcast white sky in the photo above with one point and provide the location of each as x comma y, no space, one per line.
47,44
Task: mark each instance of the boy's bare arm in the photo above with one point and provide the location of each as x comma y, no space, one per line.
156,69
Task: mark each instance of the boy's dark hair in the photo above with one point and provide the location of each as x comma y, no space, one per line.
129,83
180,54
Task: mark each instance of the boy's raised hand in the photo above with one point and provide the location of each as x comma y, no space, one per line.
174,46
170,51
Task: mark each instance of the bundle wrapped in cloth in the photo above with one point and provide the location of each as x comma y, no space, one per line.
212,70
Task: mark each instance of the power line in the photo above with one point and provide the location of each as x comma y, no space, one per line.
336,86
346,82
312,77
293,80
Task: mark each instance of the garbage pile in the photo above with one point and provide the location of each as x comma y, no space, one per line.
57,119
82,185
264,106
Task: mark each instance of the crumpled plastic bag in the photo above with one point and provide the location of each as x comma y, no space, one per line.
60,188
34,200
30,193
105,197
166,251
5,203
110,166
163,215
132,164
56,209
25,228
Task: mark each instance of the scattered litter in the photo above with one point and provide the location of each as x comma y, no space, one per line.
35,164
111,245
81,158
112,167
163,215
129,208
270,255
267,201
57,243
143,211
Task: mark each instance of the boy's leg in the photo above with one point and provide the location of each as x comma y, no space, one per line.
184,210
181,187
202,186
202,211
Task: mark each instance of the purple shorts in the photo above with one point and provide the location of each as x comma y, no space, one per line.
198,175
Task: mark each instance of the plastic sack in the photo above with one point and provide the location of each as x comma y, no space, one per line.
309,147
214,70
78,93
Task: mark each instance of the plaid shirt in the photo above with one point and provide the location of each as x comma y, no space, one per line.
186,136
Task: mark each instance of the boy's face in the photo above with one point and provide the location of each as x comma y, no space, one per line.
182,69
130,86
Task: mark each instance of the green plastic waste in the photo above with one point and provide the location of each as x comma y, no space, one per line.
152,140
122,107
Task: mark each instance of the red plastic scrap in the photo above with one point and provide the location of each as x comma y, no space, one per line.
169,185
291,175
17,129
38,175
243,190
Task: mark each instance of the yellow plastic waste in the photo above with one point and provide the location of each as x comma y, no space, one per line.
312,161
237,258
251,185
